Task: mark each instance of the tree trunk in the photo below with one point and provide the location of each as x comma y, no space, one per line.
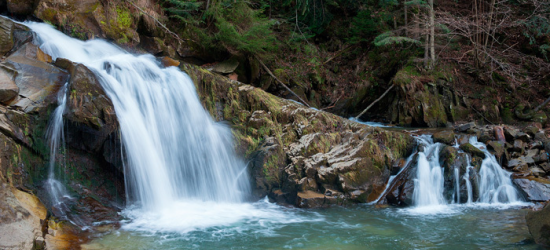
406,18
432,32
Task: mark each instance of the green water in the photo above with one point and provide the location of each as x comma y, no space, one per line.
357,227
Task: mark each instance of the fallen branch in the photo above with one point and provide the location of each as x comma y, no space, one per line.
379,98
482,115
276,79
158,22
542,105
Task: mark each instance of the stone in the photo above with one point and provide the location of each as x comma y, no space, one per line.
471,149
463,139
226,67
545,166
6,35
538,223
90,111
21,7
147,26
169,62
510,133
446,137
496,147
523,136
21,218
499,134
465,127
537,172
519,146
531,130
518,165
535,189
8,88
36,80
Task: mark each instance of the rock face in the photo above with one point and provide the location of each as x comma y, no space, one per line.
302,156
25,110
21,217
535,189
539,225
8,88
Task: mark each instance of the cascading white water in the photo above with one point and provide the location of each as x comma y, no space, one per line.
466,178
428,185
56,137
495,185
175,151
493,182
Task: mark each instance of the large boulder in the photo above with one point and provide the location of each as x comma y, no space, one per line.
534,189
538,223
302,156
472,150
446,137
36,79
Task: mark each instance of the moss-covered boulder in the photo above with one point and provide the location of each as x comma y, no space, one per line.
446,137
472,150
297,150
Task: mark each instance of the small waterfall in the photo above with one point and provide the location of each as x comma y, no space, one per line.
56,137
175,152
495,185
428,186
457,185
492,182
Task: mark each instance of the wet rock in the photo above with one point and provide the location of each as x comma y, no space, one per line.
538,223
446,137
36,80
545,166
21,7
310,199
90,111
469,148
169,62
267,166
463,139
535,189
8,88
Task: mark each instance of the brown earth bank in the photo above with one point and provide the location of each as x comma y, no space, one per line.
298,156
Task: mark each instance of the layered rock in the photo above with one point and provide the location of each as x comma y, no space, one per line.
91,180
298,155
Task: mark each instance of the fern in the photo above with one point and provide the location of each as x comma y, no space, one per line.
388,38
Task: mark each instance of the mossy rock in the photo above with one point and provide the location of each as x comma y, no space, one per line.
446,137
472,150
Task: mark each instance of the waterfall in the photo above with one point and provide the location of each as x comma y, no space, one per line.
495,185
54,134
175,151
493,182
428,186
